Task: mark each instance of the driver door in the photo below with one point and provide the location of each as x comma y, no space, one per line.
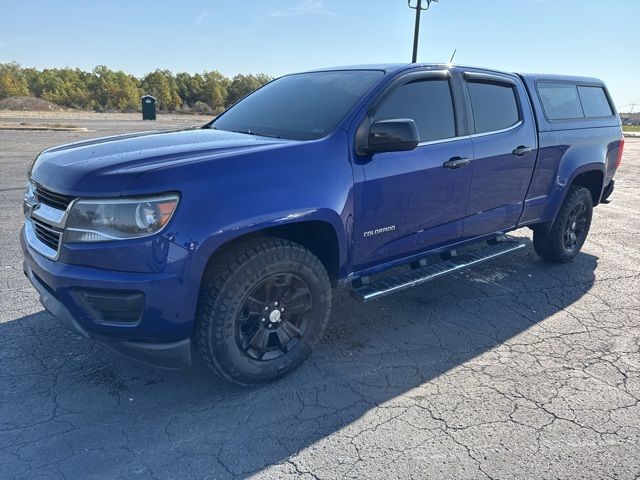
412,201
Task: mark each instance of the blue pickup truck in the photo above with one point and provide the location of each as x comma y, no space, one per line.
228,239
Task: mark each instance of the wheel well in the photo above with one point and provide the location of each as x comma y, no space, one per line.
592,180
319,237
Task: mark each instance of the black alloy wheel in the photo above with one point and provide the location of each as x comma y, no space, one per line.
575,227
263,306
274,317
561,241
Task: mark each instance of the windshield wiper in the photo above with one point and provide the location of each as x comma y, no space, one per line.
250,132
246,132
266,135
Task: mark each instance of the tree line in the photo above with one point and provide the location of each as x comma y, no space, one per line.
105,89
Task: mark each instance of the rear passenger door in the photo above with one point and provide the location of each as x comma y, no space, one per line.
504,139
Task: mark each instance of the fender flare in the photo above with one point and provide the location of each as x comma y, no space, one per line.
558,196
247,226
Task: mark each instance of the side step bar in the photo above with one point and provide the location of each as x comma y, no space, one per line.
389,285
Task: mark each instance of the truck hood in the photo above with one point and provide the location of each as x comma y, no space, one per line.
106,166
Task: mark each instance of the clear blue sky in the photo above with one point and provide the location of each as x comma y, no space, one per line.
582,37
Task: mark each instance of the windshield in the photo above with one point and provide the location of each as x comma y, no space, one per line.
305,106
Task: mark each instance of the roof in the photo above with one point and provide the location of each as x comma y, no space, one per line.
387,67
399,67
561,78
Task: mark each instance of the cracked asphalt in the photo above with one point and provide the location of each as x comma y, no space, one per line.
515,369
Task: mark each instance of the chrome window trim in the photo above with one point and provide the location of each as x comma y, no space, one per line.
444,140
475,135
34,242
495,132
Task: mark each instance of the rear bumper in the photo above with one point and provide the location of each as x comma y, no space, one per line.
608,191
158,334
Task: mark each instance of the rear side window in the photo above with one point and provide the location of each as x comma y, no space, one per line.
594,102
567,101
495,106
560,101
428,103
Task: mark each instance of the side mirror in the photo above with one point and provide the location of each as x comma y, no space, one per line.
394,135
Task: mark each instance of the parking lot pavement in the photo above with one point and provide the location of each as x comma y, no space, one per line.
516,369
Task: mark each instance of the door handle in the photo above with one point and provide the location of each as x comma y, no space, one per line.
456,162
521,151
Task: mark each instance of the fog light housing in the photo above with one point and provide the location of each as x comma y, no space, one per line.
111,306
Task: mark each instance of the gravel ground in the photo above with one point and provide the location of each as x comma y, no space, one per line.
516,369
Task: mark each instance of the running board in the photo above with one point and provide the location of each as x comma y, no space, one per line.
389,285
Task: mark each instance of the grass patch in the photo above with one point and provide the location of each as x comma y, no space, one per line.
631,128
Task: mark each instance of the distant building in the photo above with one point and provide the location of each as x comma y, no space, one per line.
630,118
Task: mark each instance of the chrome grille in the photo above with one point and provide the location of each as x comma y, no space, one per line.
53,199
45,213
47,235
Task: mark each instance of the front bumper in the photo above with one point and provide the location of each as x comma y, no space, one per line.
160,336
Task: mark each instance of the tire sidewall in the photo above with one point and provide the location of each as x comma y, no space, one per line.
222,338
581,196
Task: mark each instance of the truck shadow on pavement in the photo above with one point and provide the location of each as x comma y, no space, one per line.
70,406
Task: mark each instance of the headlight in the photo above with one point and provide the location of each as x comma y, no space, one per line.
118,219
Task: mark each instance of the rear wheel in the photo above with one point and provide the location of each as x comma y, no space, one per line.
262,309
563,241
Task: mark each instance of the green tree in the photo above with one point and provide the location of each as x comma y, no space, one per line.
114,90
12,81
215,91
67,87
190,87
127,96
162,85
243,85
104,88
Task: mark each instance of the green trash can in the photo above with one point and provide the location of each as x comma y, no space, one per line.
148,107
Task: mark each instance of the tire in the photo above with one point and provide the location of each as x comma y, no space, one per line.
270,288
558,245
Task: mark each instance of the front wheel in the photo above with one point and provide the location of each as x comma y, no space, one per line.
263,307
563,241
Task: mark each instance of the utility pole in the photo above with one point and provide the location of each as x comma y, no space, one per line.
416,34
